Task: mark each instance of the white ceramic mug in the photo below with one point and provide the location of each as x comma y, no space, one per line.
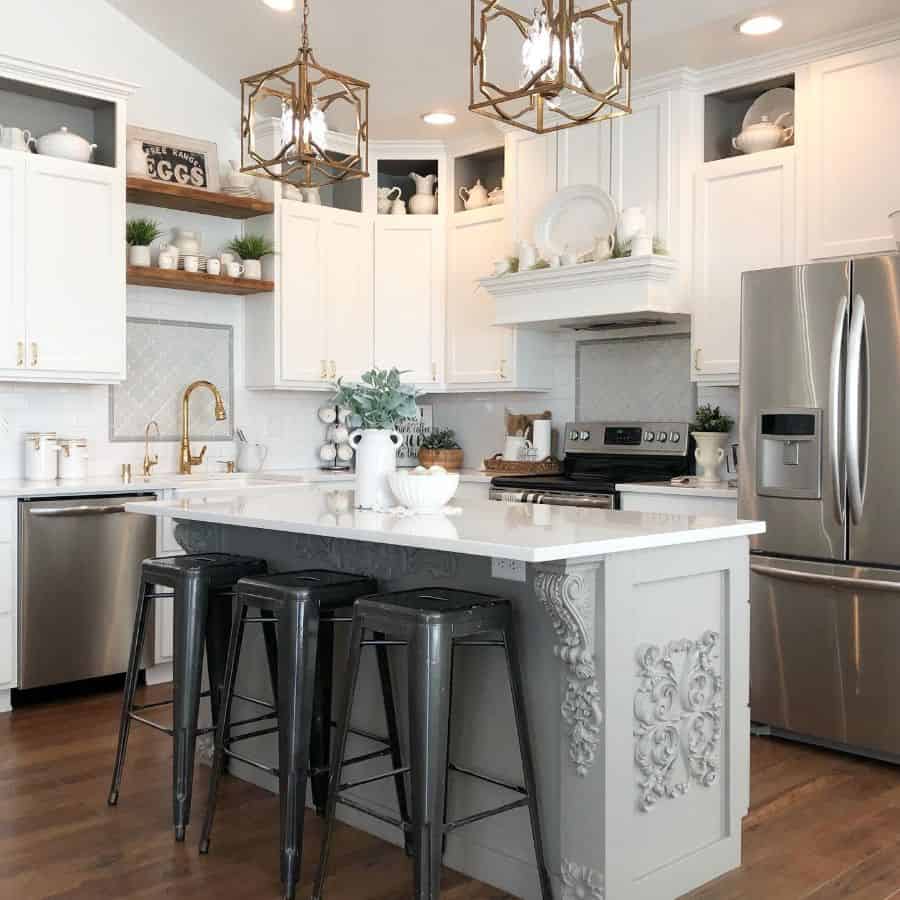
168,260
515,447
191,264
234,270
541,432
252,269
213,266
251,456
14,138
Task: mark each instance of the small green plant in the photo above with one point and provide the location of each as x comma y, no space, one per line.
710,418
141,232
251,246
378,400
440,439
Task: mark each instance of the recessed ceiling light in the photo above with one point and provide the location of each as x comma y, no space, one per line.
439,118
280,5
760,25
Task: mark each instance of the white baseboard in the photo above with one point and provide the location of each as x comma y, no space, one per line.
161,674
5,701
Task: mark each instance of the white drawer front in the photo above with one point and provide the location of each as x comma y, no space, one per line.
7,650
7,521
7,578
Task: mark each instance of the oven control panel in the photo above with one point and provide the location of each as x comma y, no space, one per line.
654,438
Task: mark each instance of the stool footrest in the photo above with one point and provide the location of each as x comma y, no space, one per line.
264,703
365,757
368,735
393,773
385,643
265,717
519,789
165,729
468,643
382,817
259,732
137,707
477,817
250,762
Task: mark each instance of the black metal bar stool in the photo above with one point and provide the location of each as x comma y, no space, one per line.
431,622
201,586
304,605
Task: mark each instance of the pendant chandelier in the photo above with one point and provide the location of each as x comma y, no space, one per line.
539,77
304,124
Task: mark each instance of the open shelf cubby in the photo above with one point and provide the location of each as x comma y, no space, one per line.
488,165
41,110
724,113
395,173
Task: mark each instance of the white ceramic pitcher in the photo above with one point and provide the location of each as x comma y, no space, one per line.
376,457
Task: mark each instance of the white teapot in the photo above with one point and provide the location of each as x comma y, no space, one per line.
474,197
764,135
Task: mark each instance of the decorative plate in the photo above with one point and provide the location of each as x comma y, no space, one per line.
771,104
573,218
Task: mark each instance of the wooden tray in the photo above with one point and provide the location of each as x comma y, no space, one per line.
497,465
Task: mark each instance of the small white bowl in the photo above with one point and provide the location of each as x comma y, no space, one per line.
423,492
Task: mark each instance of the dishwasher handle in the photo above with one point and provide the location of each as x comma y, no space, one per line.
60,511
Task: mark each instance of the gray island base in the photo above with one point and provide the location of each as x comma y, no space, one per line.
635,664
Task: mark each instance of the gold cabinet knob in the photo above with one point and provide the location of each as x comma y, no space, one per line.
697,359
333,370
501,372
20,353
323,369
434,372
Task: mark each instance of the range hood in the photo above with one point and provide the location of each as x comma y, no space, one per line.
618,293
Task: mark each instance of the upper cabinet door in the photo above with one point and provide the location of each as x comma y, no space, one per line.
75,268
642,161
301,308
854,179
409,295
478,351
12,262
348,289
744,218
529,181
584,155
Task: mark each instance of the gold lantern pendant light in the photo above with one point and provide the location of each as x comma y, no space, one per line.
304,124
552,89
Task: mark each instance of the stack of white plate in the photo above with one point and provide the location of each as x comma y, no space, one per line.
201,260
239,191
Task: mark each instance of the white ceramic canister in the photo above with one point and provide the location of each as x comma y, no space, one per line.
41,456
376,457
73,459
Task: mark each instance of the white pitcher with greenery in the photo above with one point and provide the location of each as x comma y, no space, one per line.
710,430
376,403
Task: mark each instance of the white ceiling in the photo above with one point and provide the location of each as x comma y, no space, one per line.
415,54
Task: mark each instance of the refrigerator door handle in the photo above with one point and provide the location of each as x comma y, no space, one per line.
837,581
834,441
856,482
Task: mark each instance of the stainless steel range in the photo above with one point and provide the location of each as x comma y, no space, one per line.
598,455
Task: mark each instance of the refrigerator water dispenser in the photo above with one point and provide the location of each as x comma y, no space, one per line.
789,453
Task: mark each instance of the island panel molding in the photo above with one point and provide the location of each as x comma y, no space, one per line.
677,717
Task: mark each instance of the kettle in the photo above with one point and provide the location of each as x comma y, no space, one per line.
474,197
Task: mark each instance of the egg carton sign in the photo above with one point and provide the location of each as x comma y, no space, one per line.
184,167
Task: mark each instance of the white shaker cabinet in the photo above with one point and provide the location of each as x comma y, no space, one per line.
410,279
744,218
584,155
12,262
851,149
529,182
8,601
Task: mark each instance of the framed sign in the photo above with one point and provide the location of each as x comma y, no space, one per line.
176,159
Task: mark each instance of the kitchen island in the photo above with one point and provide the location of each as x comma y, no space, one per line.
633,630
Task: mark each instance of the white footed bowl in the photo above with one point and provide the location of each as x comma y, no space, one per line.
423,491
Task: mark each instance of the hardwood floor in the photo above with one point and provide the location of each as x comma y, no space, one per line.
822,826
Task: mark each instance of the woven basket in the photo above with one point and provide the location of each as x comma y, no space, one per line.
497,465
449,459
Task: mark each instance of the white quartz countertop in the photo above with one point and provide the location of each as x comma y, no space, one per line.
112,484
693,488
474,525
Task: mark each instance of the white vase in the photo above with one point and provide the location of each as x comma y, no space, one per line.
252,269
710,454
376,457
138,256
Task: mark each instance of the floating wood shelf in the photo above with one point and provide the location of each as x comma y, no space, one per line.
177,280
190,199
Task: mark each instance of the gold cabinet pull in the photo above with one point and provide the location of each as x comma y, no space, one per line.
501,372
333,370
20,353
697,359
34,353
323,372
434,371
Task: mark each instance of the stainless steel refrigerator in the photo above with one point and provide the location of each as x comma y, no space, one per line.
820,463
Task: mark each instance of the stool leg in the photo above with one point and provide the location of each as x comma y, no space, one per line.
131,680
224,722
431,654
190,627
219,616
518,697
270,637
298,631
390,715
340,751
320,744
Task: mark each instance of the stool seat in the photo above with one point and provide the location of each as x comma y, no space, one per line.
329,590
220,570
431,605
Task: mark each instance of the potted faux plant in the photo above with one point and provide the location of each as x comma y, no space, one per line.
441,449
376,403
251,248
710,429
139,235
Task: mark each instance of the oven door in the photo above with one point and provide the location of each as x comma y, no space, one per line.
555,498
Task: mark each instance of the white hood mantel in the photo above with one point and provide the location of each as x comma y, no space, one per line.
643,290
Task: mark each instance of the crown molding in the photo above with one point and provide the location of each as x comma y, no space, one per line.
65,79
404,149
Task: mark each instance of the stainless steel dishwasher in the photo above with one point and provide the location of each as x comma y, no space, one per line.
79,569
